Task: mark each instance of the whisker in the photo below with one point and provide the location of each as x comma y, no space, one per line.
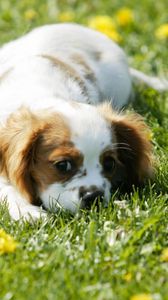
120,144
122,148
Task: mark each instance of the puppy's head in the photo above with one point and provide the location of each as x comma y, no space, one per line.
72,158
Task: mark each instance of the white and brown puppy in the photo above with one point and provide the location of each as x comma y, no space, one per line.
59,145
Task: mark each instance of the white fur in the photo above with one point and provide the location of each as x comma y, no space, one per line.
31,80
17,205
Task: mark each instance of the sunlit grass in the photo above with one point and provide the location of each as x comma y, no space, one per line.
120,253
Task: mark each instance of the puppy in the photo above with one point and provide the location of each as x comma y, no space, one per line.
61,144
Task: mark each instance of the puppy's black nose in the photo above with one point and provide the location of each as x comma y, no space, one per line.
88,197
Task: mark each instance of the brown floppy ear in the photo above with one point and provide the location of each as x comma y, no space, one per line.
19,139
134,148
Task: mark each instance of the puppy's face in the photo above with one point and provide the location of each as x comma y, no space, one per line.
73,158
79,167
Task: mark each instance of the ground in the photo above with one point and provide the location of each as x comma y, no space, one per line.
121,252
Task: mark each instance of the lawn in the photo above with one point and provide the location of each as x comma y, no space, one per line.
120,252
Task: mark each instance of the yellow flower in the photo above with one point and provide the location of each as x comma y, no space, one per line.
125,16
164,255
142,297
30,14
66,16
149,135
7,243
102,23
162,32
128,277
105,25
114,35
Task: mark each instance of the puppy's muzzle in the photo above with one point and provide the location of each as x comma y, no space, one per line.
89,197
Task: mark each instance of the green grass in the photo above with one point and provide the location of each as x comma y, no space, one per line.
93,255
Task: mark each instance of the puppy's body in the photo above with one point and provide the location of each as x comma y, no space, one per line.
56,74
66,62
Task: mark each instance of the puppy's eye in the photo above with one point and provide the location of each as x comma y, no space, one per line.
109,164
63,166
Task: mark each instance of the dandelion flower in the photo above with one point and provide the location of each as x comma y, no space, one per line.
66,16
105,25
7,243
124,16
30,14
102,23
128,277
162,32
149,135
164,255
142,297
112,34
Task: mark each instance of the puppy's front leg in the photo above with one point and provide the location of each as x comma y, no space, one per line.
18,206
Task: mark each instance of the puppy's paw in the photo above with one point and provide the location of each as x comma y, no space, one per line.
30,213
18,206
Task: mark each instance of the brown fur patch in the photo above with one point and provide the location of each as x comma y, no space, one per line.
29,141
44,171
88,72
5,75
96,55
69,70
134,149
